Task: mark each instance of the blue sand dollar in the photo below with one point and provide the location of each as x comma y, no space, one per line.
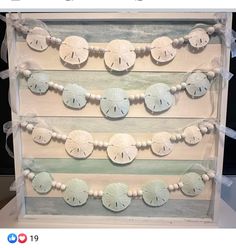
192,184
122,148
155,193
158,98
74,96
38,83
42,182
115,197
197,84
37,39
114,103
76,192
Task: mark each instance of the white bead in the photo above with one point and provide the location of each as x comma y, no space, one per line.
95,142
203,129
149,142
142,96
210,74
210,30
130,193
183,85
138,144
175,42
31,175
87,95
211,174
186,37
92,96
144,144
181,41
96,49
180,184
176,186
50,84
27,73
58,185
209,125
140,192
217,70
64,137
101,50
135,193
173,138
48,38
53,40
205,177
132,97
218,27
173,89
58,41
54,183
95,193
60,87
91,48
142,49
148,48
137,97
171,187
100,193
137,49
100,144
55,86
26,172
63,187
30,127
183,135
178,87
105,144
54,135
24,124
90,192
178,136
59,136
98,97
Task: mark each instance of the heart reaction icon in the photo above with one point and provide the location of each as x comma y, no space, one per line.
22,238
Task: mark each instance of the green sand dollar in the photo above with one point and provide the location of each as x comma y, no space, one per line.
192,184
115,197
76,192
38,83
42,183
155,193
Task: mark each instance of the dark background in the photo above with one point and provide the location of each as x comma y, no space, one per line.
7,163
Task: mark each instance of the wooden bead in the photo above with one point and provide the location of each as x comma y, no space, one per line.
30,127
26,172
63,187
31,176
176,186
100,193
58,185
205,177
210,30
171,187
173,89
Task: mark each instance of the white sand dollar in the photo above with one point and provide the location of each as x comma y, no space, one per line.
198,38
74,96
115,197
42,183
115,103
41,135
76,192
192,184
37,39
122,148
192,135
119,55
158,98
155,193
38,83
197,84
162,50
79,144
161,144
74,50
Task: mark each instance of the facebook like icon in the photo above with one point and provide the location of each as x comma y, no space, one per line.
12,238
